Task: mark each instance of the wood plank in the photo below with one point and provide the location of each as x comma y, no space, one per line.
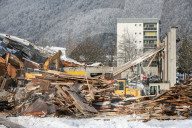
62,83
64,94
59,101
81,105
90,90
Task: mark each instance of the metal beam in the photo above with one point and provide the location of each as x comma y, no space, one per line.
129,64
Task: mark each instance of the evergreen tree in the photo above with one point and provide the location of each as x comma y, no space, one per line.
185,57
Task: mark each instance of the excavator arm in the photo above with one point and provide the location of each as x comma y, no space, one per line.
50,60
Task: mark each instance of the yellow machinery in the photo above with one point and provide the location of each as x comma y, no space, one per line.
121,88
50,60
32,75
75,72
47,64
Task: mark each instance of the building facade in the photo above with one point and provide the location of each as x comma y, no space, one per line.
135,36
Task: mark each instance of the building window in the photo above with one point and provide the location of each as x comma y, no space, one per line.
140,25
135,24
135,33
140,33
139,41
135,41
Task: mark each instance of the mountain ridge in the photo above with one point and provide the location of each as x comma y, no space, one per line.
55,21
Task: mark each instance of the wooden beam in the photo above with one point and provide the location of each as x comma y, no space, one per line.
63,94
90,89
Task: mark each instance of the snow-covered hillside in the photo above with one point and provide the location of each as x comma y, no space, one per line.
53,20
56,20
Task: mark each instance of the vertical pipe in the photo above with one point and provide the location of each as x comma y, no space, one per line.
167,55
164,63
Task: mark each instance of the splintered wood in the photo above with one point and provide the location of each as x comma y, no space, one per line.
61,94
176,103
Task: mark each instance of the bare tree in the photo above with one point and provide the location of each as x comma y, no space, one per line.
112,55
88,51
127,49
185,57
69,45
43,42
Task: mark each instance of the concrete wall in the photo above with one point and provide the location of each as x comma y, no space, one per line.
169,63
89,70
163,86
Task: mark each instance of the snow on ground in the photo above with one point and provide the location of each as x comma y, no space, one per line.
2,126
97,122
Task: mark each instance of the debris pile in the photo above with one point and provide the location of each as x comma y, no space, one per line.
50,92
21,48
54,93
175,103
60,94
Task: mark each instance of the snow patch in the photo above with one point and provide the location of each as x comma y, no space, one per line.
102,103
16,39
97,122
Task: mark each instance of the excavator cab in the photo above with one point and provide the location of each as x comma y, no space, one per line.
155,90
122,88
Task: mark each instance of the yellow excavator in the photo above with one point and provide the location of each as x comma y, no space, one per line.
46,66
122,88
50,60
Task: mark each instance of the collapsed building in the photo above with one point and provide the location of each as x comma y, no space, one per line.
56,93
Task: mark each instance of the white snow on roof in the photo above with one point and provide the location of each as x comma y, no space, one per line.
96,64
16,39
71,60
56,48
50,50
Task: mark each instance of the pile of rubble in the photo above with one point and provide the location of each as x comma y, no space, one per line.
55,93
175,103
60,94
52,93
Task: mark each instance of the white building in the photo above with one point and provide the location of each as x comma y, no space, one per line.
142,33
